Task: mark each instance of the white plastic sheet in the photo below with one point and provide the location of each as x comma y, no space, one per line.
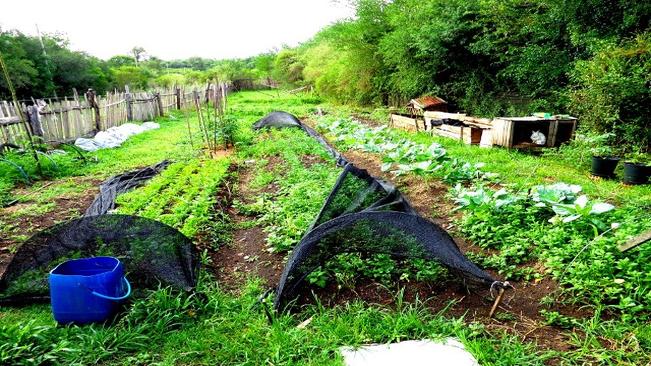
449,352
114,136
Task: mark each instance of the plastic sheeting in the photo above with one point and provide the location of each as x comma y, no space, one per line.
413,353
114,136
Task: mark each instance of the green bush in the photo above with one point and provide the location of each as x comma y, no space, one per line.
614,93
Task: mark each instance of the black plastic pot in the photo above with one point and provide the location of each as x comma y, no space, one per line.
635,173
604,166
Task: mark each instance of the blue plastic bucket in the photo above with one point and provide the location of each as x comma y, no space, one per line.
87,290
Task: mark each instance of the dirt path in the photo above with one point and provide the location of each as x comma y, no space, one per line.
24,219
246,256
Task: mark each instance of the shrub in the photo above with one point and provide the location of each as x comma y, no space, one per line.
613,93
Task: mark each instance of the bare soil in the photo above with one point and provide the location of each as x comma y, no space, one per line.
65,208
247,255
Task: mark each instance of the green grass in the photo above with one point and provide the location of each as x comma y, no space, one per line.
150,147
164,328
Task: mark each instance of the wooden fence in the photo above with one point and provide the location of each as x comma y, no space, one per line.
66,119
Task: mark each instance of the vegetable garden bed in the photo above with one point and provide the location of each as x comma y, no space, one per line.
577,301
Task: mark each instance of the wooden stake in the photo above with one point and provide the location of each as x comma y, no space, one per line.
498,299
634,242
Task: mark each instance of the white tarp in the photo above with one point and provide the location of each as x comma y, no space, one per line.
449,352
114,136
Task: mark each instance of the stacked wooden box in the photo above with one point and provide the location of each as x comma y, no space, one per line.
409,123
510,132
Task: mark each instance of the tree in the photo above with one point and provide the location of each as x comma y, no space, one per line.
121,60
134,77
139,54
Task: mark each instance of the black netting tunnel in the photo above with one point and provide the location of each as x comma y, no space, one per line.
284,119
153,254
366,215
112,187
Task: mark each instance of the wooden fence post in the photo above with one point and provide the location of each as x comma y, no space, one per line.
160,104
207,94
92,101
129,100
34,120
178,98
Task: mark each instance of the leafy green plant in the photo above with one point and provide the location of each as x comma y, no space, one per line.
581,208
183,196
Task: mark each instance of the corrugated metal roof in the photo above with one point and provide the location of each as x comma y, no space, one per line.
426,102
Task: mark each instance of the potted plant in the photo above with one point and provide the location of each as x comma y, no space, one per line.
636,169
604,161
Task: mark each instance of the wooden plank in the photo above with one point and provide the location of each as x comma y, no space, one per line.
9,120
553,130
404,122
445,133
636,241
444,115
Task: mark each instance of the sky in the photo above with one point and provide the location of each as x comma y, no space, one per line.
217,29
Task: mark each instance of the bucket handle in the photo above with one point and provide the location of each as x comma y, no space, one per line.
126,282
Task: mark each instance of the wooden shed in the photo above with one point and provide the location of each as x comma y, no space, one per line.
427,103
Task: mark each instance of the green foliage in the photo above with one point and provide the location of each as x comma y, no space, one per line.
401,155
613,92
133,76
301,190
183,196
288,67
225,329
568,232
488,58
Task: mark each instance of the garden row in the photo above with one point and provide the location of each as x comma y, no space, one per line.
182,196
556,224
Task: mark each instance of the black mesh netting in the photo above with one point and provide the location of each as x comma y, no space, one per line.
366,215
284,119
112,187
153,254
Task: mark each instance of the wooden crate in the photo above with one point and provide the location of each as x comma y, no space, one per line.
469,135
515,132
429,116
405,122
562,131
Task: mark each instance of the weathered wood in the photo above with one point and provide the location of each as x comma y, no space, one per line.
177,93
404,122
34,120
129,99
498,299
92,102
160,104
636,241
444,115
6,121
